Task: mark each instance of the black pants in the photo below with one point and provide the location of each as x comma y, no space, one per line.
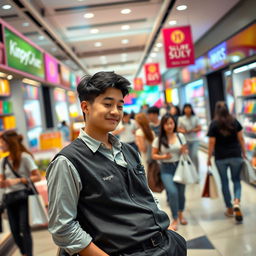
19,225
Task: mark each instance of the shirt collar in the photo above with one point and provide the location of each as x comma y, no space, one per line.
94,144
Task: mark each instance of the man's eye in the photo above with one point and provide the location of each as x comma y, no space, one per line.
120,107
107,104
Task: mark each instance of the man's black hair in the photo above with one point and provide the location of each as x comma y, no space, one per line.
153,110
125,114
91,87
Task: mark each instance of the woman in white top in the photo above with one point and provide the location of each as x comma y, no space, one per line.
19,161
167,148
144,137
188,124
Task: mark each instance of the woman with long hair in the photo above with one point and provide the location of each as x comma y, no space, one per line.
188,124
20,160
167,148
143,138
227,142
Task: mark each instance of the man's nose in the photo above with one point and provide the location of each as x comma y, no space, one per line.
114,110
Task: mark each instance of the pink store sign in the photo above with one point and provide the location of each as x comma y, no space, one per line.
51,69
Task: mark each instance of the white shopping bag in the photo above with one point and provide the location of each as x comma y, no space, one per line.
186,172
37,211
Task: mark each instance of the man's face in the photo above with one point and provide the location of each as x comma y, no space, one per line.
104,114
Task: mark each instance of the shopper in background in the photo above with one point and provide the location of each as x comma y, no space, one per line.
65,131
175,112
188,124
126,130
153,117
167,148
21,161
99,201
144,137
227,142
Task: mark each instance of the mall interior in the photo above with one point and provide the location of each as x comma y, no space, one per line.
46,47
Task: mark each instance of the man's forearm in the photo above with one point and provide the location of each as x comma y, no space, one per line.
92,250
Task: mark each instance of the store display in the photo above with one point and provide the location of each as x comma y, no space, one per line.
32,114
244,82
7,119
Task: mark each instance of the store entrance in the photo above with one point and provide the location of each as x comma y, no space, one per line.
215,85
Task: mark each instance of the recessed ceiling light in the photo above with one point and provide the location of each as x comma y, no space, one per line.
6,7
126,11
125,41
98,44
9,77
41,37
172,22
94,31
89,15
181,7
159,45
25,24
125,27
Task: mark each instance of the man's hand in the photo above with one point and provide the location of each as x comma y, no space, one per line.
92,250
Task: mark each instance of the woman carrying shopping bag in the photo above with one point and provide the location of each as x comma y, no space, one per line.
227,142
167,148
19,161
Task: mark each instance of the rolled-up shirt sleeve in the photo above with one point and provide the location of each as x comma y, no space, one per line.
64,186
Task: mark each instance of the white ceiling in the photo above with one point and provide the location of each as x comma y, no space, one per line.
65,17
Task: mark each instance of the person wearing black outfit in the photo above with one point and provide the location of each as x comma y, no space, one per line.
15,170
227,142
99,200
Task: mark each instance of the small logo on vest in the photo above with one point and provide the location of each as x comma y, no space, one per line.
108,177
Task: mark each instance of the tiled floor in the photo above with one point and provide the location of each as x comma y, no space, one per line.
209,232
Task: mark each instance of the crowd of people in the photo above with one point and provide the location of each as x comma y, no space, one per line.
79,196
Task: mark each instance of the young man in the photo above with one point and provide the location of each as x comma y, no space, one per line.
153,116
99,201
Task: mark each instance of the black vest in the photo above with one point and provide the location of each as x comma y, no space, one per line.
115,205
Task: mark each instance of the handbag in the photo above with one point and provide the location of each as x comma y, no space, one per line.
185,172
210,189
153,176
248,173
16,196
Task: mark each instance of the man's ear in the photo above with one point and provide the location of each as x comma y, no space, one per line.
85,106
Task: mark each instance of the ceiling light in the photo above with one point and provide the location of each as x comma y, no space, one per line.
41,37
89,15
172,22
31,82
94,31
159,45
3,74
125,27
181,7
98,44
125,41
126,11
6,7
25,24
10,77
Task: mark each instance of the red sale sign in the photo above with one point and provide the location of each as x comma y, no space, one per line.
178,45
138,84
152,73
